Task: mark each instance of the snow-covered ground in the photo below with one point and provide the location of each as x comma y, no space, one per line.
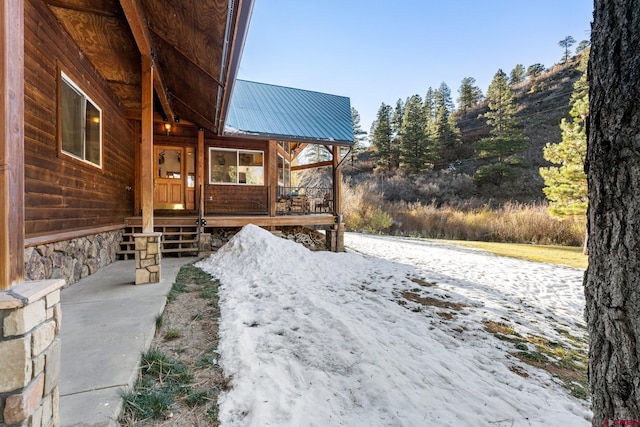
326,339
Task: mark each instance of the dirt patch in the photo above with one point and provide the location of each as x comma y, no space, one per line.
432,302
566,362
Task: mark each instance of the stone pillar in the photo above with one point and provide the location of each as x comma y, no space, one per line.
30,353
147,257
204,245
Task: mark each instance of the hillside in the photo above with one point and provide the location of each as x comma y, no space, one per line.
543,102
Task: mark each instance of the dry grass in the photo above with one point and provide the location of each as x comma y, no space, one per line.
186,336
367,207
513,223
562,255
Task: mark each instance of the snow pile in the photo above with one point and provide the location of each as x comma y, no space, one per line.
320,339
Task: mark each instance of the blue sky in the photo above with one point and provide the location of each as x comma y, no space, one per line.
378,51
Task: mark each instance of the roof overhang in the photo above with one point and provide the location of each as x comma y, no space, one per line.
195,46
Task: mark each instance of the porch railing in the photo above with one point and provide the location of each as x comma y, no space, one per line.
304,200
254,200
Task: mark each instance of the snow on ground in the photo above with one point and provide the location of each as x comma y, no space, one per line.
326,339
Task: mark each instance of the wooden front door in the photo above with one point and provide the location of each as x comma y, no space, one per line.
169,178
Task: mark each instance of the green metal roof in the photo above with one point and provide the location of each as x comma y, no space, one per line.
284,113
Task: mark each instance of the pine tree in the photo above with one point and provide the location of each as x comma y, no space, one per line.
381,136
359,135
582,46
535,70
414,144
445,133
502,105
566,184
517,74
396,126
566,43
506,140
429,112
469,94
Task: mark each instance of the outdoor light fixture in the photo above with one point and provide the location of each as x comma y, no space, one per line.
167,127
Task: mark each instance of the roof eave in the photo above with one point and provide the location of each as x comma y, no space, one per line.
237,40
290,138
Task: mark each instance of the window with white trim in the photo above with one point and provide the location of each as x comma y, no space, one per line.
81,124
228,166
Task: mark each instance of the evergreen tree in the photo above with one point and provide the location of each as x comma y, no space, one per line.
469,94
502,105
429,112
359,135
396,126
396,117
445,133
517,74
535,70
566,44
381,137
566,184
506,140
414,145
582,46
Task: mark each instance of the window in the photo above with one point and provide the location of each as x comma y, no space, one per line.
236,167
284,172
81,124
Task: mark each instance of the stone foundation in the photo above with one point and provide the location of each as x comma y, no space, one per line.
147,257
30,353
73,259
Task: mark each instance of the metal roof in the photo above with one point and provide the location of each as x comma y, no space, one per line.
289,114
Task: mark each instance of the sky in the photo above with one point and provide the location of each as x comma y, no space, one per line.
376,51
391,333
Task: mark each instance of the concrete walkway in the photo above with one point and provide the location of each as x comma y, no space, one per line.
107,322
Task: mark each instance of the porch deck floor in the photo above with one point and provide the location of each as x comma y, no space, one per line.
222,221
107,322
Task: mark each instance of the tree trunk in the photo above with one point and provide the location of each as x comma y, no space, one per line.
612,280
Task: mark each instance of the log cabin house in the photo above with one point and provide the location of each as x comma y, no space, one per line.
125,104
113,141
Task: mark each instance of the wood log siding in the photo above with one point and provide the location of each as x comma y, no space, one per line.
61,192
236,199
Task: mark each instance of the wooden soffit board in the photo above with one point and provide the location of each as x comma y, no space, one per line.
187,44
100,30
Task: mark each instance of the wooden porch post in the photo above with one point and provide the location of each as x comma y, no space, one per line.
12,143
33,307
148,243
146,147
337,234
272,177
200,175
337,181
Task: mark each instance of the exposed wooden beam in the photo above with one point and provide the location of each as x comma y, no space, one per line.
204,121
137,22
146,147
312,165
296,151
11,143
78,8
185,56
